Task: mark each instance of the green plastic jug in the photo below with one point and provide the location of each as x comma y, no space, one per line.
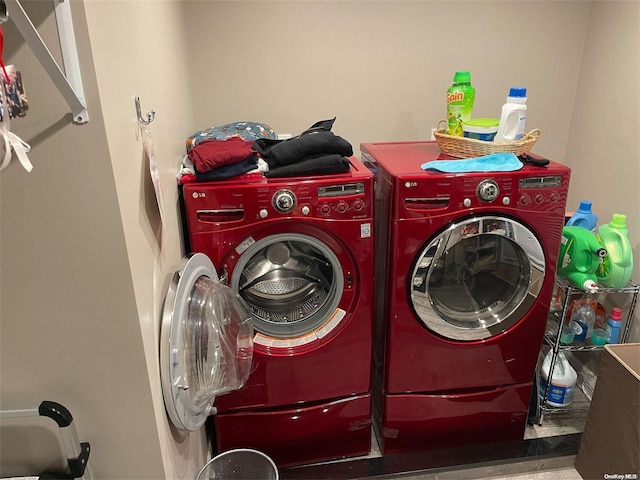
616,269
580,256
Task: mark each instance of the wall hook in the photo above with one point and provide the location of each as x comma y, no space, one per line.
4,13
150,116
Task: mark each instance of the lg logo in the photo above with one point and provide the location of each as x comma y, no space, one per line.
198,194
410,184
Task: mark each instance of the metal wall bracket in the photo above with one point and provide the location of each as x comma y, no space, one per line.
150,116
69,85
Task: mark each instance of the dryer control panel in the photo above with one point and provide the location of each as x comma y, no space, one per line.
434,193
540,189
488,191
417,192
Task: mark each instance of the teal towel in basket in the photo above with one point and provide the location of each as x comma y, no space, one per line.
496,162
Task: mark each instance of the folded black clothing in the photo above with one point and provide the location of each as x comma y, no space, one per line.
265,144
229,171
317,165
295,149
322,125
315,140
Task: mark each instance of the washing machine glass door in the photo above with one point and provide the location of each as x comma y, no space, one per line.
291,282
206,342
477,278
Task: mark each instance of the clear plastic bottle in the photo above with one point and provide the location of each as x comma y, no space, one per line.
588,315
579,324
514,114
460,98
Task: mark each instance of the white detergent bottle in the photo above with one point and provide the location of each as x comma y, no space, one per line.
514,114
563,380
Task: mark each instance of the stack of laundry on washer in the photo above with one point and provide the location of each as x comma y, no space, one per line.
235,149
223,152
316,151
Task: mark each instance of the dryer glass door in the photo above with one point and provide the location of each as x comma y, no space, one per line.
477,278
206,343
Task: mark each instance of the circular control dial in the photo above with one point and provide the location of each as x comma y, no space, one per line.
488,190
284,201
525,199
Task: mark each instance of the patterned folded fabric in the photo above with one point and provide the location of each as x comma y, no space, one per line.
249,131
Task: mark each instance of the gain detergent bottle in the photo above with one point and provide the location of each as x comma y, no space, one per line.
580,255
460,98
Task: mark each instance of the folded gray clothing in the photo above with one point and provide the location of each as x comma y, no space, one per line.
278,153
318,165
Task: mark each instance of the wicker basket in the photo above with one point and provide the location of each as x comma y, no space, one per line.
463,147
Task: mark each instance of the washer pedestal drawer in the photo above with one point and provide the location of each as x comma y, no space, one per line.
414,422
303,435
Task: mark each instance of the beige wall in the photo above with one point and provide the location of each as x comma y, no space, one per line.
83,258
604,147
70,328
383,68
145,56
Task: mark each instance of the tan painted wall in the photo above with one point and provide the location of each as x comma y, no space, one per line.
141,52
604,147
383,68
82,258
70,328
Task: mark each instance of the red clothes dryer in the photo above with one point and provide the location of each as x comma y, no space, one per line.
299,251
465,269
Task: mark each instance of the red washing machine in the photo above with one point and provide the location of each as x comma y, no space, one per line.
465,269
299,251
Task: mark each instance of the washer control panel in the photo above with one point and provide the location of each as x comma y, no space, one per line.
213,207
284,201
339,200
342,199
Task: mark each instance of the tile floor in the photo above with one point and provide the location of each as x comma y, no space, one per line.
565,473
568,473
561,422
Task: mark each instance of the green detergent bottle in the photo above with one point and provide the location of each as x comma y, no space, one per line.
616,269
580,255
460,98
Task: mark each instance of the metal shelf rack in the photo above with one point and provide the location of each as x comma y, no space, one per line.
629,296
